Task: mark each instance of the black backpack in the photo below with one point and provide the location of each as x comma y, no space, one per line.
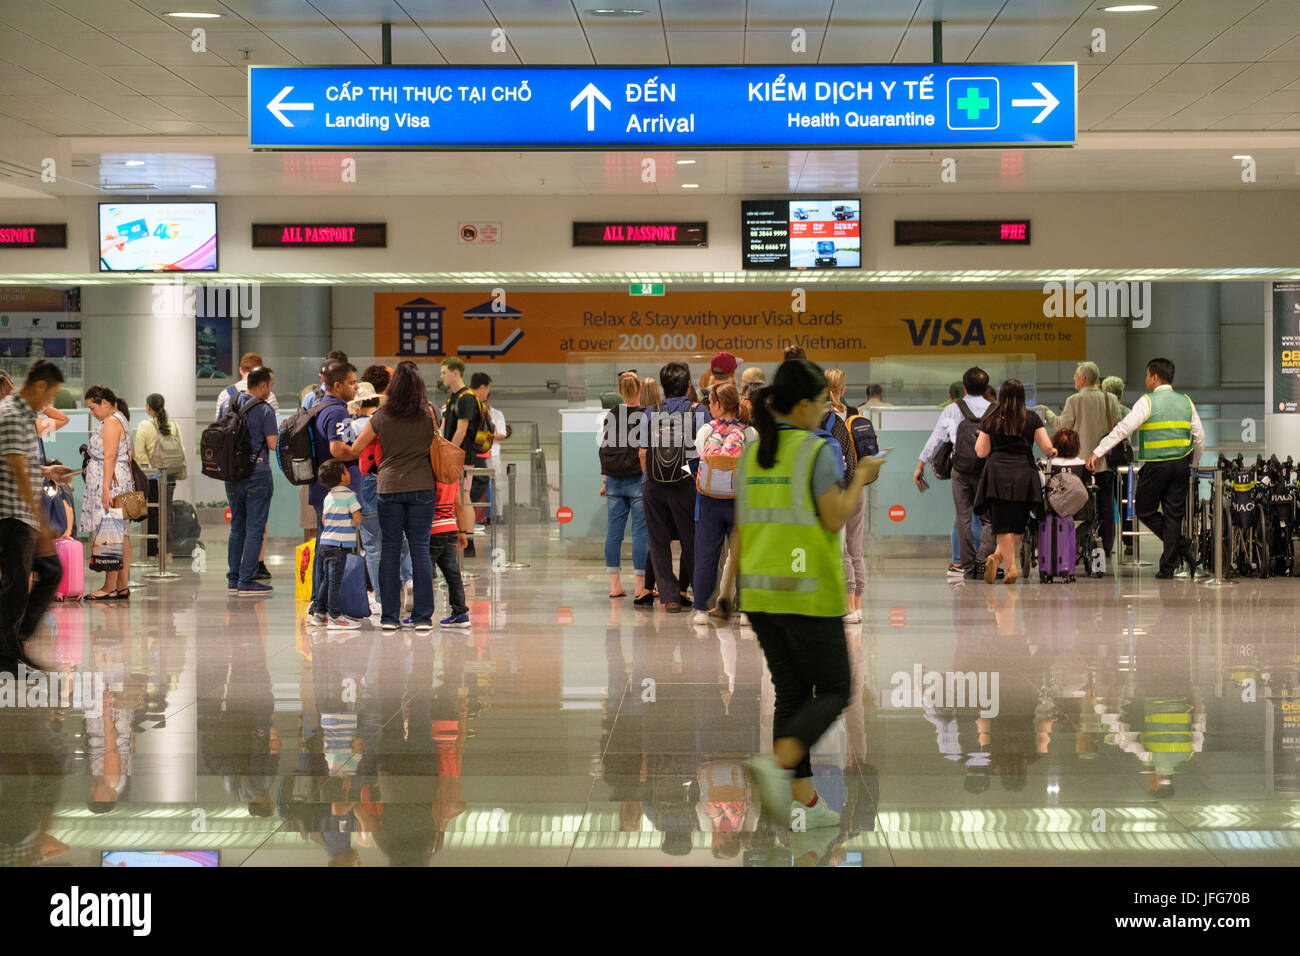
295,448
964,459
225,450
668,448
617,458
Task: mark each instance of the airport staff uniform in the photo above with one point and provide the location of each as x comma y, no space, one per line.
792,584
1170,440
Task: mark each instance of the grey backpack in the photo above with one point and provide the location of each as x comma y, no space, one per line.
1066,494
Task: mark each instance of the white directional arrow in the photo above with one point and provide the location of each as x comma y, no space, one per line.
1048,102
278,104
590,94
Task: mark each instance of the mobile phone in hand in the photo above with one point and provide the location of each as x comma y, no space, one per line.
923,484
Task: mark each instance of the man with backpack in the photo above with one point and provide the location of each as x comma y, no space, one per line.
247,362
669,493
950,451
250,498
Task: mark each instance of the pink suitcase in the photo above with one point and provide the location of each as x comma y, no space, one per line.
72,557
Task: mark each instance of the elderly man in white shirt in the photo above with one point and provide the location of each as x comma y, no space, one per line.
1170,440
975,382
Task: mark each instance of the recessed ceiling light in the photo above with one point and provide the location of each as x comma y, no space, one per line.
616,12
685,162
1131,8
134,162
1242,156
197,186
690,185
194,16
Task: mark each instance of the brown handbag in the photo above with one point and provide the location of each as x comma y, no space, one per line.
448,461
135,503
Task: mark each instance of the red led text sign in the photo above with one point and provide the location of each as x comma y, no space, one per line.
613,233
49,236
981,232
367,235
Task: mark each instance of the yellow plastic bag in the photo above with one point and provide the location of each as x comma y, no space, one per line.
303,558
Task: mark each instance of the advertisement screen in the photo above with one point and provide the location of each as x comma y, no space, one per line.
188,858
801,234
158,237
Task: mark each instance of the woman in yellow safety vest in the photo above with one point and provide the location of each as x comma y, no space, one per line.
789,512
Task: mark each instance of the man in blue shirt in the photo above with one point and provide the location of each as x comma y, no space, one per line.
318,392
668,488
975,381
331,424
250,499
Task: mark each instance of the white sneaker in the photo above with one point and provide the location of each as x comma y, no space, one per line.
408,595
853,617
773,782
343,624
700,618
480,529
804,818
743,619
317,620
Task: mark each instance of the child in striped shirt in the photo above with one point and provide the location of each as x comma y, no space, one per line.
340,516
445,538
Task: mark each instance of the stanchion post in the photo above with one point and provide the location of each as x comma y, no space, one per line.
1217,524
513,513
162,574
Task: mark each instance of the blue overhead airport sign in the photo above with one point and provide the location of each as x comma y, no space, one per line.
675,107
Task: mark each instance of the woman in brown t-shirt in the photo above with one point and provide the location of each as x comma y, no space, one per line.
405,428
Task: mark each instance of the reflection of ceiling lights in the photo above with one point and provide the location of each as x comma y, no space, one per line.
128,185
685,162
197,186
1131,8
616,12
690,185
194,16
906,161
134,162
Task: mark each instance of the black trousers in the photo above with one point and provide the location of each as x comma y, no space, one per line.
1106,506
670,513
1162,502
21,608
809,661
442,549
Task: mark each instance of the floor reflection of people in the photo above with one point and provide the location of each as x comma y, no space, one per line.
33,761
110,730
237,741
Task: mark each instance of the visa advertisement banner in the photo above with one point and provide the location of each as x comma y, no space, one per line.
845,326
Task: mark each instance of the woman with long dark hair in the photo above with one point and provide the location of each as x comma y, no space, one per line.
108,474
1010,491
155,435
789,512
407,492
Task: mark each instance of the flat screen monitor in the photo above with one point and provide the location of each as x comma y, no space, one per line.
801,234
158,237
185,858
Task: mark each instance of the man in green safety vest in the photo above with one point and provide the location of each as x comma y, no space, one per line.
1169,443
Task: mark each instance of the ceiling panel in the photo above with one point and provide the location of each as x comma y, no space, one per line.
1274,103
412,45
274,14
198,108
703,46
770,14
1127,79
110,15
774,46
216,80
1026,30
627,42
236,104
1255,35
152,79
138,108
1253,121
168,48
321,45
963,27
545,45
1177,33
1288,122
856,34
17,81
100,50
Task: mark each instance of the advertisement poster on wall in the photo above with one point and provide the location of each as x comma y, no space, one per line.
38,322
844,325
1286,347
213,347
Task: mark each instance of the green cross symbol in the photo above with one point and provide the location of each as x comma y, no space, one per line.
973,103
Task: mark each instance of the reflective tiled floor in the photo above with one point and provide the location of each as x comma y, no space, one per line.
1134,722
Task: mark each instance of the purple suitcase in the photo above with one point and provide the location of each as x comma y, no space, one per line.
1057,548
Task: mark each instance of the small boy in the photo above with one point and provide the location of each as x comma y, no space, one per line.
445,537
340,516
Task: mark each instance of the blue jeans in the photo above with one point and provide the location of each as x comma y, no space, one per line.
331,559
250,505
406,516
371,544
623,496
715,518
975,526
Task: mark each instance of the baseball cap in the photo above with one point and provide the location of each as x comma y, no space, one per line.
724,363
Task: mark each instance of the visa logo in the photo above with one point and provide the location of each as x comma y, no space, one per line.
946,332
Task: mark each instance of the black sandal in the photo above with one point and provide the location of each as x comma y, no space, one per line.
645,600
121,594
107,596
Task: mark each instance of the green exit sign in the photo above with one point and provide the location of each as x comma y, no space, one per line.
646,288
